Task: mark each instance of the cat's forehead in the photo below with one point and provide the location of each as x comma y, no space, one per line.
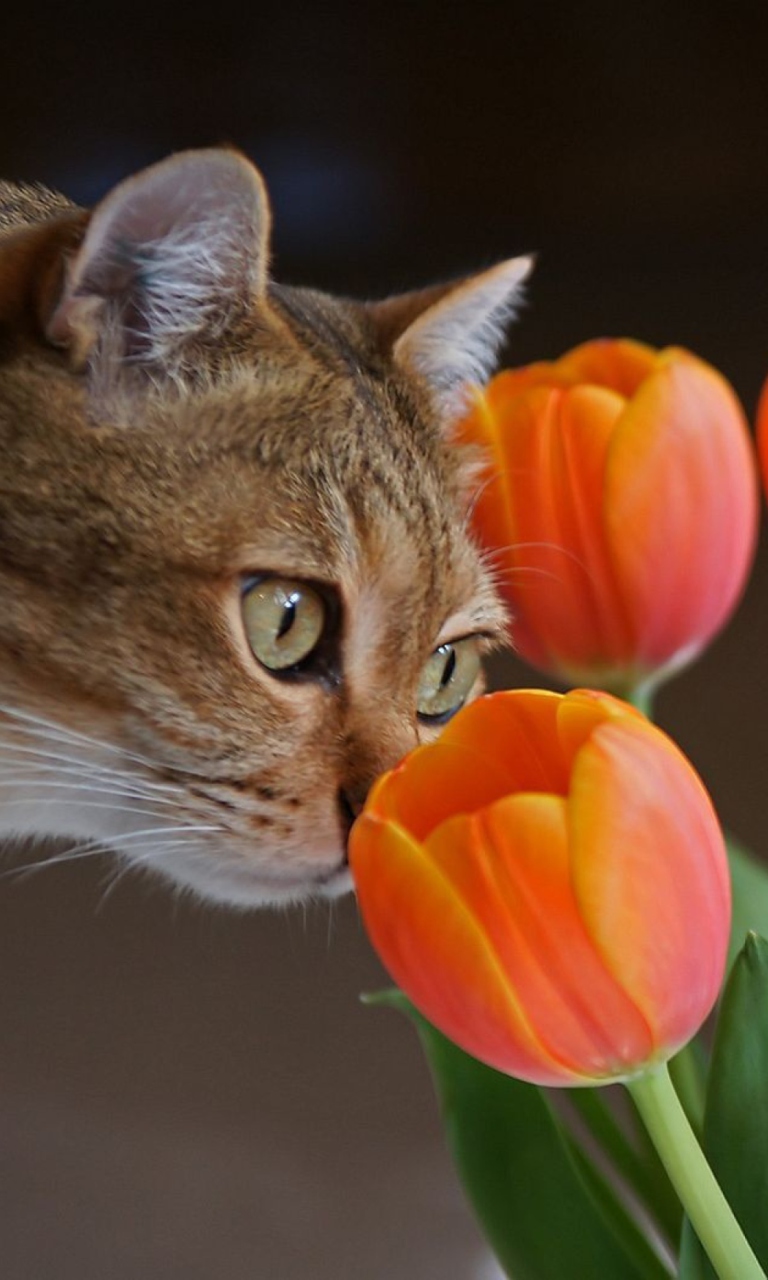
342,480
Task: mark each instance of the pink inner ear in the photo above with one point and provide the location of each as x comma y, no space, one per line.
173,243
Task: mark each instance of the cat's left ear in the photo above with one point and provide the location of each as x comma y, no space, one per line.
450,335
170,257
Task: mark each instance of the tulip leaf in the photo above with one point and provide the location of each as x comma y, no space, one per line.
736,1117
542,1210
749,883
636,1161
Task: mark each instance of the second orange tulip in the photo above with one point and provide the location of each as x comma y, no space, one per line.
620,506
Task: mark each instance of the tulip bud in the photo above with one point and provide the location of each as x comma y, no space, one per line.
548,884
762,434
619,505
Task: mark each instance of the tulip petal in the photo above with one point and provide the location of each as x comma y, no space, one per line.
541,511
482,755
761,429
579,713
588,417
518,886
680,507
619,363
433,947
525,742
622,540
650,874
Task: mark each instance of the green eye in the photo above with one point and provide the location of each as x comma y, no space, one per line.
447,679
284,621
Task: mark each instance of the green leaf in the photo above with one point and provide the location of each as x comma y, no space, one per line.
637,1162
749,881
540,1218
736,1117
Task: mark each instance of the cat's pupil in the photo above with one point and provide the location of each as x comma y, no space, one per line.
447,679
450,664
288,618
284,621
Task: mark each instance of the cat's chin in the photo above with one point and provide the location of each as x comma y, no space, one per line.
246,891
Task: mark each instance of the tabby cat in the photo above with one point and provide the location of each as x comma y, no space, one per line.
235,576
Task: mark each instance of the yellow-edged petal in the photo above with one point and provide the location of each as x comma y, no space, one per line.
484,753
680,508
619,363
433,947
650,873
519,887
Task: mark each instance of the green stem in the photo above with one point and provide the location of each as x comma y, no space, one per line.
641,696
710,1214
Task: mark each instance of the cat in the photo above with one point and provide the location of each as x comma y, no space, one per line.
236,580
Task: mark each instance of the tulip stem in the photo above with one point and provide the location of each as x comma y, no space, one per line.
702,1198
642,697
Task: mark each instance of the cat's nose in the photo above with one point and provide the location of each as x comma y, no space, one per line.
351,801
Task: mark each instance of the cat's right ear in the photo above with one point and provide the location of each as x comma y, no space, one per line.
170,258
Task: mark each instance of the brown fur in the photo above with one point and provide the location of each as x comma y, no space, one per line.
143,474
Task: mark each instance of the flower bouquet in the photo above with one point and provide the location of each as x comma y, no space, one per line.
548,883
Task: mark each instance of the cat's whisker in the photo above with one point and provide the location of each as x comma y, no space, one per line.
91,847
52,736
96,778
36,775
533,571
74,737
80,802
135,862
12,749
55,728
331,923
566,552
88,849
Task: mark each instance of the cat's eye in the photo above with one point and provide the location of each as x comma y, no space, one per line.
447,679
284,621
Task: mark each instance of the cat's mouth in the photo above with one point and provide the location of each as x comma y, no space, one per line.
336,882
326,884
247,887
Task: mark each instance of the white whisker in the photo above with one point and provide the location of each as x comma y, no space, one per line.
86,848
78,800
36,774
75,760
134,862
74,736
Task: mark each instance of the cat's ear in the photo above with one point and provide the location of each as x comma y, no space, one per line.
170,257
450,335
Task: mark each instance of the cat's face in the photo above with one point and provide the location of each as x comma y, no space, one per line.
235,572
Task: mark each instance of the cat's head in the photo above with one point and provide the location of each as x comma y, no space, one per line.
235,574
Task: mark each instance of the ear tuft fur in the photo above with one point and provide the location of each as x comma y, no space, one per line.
169,257
453,344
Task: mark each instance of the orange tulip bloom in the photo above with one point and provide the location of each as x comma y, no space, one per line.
621,507
762,433
548,883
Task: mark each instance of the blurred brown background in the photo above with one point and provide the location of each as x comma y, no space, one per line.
189,1095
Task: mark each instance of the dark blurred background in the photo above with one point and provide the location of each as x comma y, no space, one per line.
189,1095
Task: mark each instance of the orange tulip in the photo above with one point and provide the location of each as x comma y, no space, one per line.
762,433
548,883
620,505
